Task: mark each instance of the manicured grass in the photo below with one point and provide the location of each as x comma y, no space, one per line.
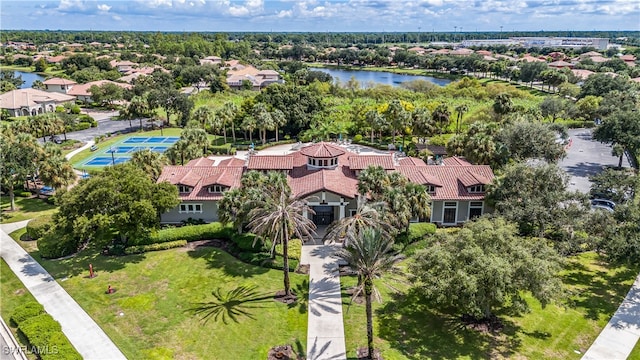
149,316
635,353
12,294
27,208
406,327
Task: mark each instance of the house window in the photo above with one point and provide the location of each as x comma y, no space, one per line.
431,189
216,189
61,87
184,189
476,189
475,209
310,161
190,208
352,212
450,211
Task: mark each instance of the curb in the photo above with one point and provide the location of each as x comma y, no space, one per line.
14,349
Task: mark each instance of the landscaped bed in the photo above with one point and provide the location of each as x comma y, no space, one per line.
406,327
150,313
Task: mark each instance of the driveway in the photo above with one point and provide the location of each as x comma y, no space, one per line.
586,157
105,125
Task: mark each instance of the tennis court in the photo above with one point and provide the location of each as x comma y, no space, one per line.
121,151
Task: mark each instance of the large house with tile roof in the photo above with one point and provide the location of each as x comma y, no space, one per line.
326,175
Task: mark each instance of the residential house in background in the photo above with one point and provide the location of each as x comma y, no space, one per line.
81,91
326,175
25,102
59,85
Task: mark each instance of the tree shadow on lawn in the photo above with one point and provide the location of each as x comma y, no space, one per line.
231,305
598,292
219,259
78,264
418,331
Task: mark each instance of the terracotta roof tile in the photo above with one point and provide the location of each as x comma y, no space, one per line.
322,150
270,162
204,176
59,81
361,162
455,161
411,161
201,161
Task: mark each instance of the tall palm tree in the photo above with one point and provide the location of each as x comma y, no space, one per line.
196,137
374,119
56,172
279,217
232,208
263,119
249,123
418,200
441,114
367,215
369,255
279,120
423,122
203,115
397,117
460,110
227,114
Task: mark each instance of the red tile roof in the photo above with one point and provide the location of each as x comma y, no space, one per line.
59,81
201,161
361,162
270,162
200,178
453,180
455,161
411,161
322,150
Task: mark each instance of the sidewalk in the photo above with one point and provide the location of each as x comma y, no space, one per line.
85,335
617,339
325,333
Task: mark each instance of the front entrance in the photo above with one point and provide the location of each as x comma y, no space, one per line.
323,215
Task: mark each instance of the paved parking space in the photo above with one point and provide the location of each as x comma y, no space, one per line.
586,157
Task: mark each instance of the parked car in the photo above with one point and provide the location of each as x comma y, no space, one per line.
603,204
56,139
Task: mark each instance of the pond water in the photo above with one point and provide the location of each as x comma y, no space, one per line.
379,77
28,78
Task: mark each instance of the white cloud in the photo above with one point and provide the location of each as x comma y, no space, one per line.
104,7
250,7
284,13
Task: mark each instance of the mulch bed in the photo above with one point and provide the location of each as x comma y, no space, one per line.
217,243
485,325
363,353
282,352
303,269
285,299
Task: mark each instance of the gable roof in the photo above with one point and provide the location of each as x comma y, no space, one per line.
83,89
19,98
59,81
199,178
453,180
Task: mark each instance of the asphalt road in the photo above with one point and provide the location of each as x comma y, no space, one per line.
586,157
105,125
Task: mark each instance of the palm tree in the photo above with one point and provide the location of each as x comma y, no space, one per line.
461,110
227,114
203,115
366,216
374,120
149,161
369,255
138,108
181,148
423,122
418,200
56,172
502,105
232,208
397,117
196,137
263,119
441,114
279,217
373,180
279,119
249,123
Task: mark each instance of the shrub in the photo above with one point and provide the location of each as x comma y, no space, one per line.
357,138
82,126
245,242
37,227
578,124
75,109
417,231
84,118
154,247
189,233
44,333
221,149
295,249
274,143
24,194
55,244
26,311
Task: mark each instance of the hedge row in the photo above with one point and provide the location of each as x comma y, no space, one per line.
43,333
222,150
26,311
189,233
37,227
154,247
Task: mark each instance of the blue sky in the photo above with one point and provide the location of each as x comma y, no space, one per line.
321,15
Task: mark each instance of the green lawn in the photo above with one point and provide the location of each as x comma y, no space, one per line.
27,208
12,294
406,327
149,317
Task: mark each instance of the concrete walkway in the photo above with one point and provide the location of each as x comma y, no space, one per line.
325,333
617,339
74,152
85,335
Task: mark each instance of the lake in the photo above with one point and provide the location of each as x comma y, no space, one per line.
28,78
378,77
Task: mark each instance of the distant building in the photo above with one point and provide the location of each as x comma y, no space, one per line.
25,102
59,85
552,42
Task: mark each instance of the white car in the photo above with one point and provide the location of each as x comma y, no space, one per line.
603,204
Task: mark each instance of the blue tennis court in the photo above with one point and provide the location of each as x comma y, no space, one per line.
121,151
104,161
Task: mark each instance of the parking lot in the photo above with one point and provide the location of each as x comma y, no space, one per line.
586,157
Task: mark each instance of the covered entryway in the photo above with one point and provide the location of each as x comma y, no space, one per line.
323,215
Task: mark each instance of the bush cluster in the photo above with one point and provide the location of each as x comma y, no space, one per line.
81,126
138,249
26,311
222,150
24,194
54,245
37,227
43,334
189,233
